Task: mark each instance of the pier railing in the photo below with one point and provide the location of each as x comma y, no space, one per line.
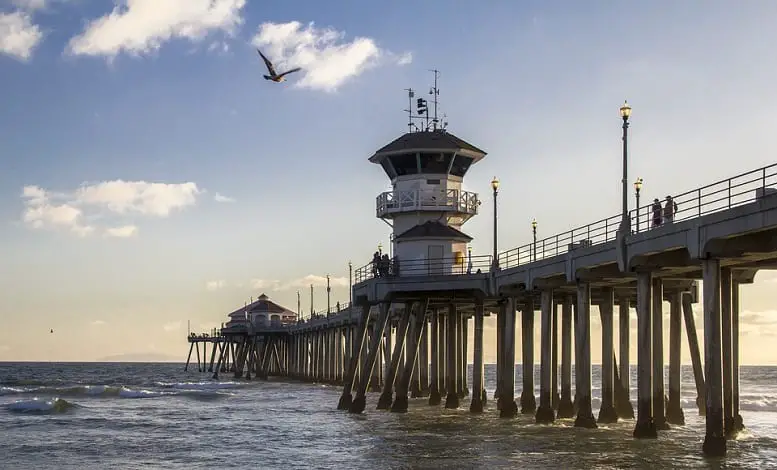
447,266
725,194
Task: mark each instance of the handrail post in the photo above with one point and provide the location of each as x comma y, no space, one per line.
699,202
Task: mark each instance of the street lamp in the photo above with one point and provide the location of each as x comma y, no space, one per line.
469,260
350,283
380,249
534,237
637,188
495,187
625,223
328,292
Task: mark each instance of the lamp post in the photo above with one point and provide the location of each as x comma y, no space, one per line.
495,187
380,249
328,295
350,283
299,307
469,260
637,188
534,238
625,223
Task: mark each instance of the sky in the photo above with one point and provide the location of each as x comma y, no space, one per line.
152,179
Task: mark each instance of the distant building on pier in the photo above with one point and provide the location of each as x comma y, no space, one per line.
261,312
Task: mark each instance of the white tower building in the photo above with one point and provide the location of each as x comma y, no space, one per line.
427,205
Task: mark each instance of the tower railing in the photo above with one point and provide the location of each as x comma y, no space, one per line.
447,266
742,189
453,200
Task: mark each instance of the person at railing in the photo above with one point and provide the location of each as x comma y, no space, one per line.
395,266
670,209
384,265
656,207
376,264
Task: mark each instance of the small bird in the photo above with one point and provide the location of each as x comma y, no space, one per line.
276,77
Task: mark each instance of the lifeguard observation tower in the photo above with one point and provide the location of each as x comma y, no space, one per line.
427,205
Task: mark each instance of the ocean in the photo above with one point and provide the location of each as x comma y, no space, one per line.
121,415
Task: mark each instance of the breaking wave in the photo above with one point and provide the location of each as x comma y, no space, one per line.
40,406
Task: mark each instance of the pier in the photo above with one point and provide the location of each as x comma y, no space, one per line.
405,334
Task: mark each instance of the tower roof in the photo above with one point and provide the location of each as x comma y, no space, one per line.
433,229
262,304
427,141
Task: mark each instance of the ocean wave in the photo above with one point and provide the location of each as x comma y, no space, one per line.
40,406
193,390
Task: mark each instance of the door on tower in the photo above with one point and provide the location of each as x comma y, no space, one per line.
435,259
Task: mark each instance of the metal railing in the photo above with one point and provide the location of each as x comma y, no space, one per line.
732,192
448,266
726,194
598,232
334,310
445,200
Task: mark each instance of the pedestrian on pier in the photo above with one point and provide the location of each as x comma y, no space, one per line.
670,209
656,207
376,264
384,265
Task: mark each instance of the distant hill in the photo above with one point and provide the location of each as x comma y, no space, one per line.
140,357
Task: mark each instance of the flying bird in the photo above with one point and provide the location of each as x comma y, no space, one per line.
276,77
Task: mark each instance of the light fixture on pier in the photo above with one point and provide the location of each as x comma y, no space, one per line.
380,248
534,238
350,283
495,261
625,226
637,189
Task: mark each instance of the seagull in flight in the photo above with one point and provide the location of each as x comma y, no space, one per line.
276,77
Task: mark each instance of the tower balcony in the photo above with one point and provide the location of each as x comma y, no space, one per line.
459,203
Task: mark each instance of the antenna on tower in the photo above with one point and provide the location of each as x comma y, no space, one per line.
409,110
435,92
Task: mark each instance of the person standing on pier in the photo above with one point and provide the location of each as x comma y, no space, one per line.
670,209
376,264
656,212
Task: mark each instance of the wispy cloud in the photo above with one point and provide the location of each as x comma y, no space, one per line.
77,210
303,282
327,60
97,323
19,36
139,27
215,285
172,326
221,198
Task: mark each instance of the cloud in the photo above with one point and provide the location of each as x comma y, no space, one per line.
215,285
327,60
139,27
768,317
97,323
172,326
18,35
76,210
125,231
221,198
303,282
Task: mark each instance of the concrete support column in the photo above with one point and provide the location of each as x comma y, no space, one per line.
464,354
435,398
565,408
360,402
714,440
545,412
507,407
645,427
693,347
623,406
739,424
528,401
423,360
460,370
607,413
415,379
659,403
442,339
387,349
384,402
585,417
725,312
375,380
452,400
674,409
478,388
500,322
346,398
413,340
